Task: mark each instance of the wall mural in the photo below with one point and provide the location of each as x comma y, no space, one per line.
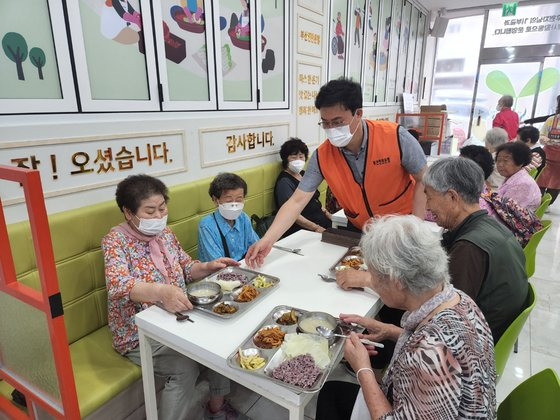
184,32
114,49
337,38
235,46
272,62
356,42
27,61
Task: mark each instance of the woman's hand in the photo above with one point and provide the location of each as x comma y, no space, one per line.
377,330
350,278
356,353
220,263
173,298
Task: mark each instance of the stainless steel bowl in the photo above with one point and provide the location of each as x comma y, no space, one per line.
204,292
226,302
251,352
308,322
267,327
276,315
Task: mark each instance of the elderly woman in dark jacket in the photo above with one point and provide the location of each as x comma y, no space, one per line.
294,154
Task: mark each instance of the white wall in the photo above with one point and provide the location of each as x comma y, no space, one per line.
28,128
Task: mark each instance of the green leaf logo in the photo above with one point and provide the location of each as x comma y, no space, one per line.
498,82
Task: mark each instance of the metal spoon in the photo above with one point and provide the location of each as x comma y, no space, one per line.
328,334
333,279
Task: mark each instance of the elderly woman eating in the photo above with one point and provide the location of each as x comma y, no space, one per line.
145,264
511,158
443,364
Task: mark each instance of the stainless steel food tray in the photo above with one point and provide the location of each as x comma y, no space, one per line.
275,356
227,296
352,252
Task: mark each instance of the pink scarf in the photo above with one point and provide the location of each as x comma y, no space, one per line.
156,247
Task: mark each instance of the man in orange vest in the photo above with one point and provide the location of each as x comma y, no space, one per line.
373,168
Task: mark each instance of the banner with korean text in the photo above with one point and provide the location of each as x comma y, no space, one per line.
77,164
226,144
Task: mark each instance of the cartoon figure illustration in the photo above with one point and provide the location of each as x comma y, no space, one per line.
370,17
337,43
189,15
117,20
243,29
357,31
385,44
373,52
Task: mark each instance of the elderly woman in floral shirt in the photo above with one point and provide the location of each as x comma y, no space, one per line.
145,264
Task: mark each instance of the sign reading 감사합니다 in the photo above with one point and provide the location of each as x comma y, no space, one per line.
529,25
219,145
77,164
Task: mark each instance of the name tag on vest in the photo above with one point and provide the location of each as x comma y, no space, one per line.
382,161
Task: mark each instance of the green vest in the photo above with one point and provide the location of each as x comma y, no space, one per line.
503,293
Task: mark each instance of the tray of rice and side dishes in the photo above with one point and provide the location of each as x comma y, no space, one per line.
352,258
286,349
230,291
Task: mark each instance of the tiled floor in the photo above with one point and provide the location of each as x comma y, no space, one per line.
539,342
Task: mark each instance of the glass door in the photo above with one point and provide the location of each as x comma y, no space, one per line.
519,79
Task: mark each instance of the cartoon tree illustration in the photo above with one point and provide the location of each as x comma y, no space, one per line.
37,57
15,48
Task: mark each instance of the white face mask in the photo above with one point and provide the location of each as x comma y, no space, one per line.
296,166
152,227
230,211
340,136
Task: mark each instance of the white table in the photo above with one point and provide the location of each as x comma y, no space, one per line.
210,340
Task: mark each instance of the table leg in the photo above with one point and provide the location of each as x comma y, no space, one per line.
296,412
148,376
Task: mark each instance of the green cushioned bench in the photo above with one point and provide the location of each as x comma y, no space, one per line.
100,373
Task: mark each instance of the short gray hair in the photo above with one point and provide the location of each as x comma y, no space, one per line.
456,173
403,248
507,101
496,136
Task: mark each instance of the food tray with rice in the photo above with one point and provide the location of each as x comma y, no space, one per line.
352,258
230,291
284,349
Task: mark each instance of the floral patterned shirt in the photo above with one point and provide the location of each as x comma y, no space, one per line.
127,262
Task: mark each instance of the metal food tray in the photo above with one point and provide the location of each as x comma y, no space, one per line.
275,356
353,251
227,296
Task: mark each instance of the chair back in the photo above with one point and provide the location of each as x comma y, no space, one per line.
505,344
533,172
545,202
530,249
535,398
540,173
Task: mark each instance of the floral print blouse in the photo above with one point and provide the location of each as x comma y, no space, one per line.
127,262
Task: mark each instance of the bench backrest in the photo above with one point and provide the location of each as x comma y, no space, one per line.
76,236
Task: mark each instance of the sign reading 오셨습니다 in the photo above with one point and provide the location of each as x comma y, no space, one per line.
70,165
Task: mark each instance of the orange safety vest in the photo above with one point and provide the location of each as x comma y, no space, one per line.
387,187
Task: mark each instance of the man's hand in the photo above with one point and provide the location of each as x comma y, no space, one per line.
173,298
257,252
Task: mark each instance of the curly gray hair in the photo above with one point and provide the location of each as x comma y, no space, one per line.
403,248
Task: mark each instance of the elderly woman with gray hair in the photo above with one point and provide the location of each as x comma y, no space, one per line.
443,364
494,138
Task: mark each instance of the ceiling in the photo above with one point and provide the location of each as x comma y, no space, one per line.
458,4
